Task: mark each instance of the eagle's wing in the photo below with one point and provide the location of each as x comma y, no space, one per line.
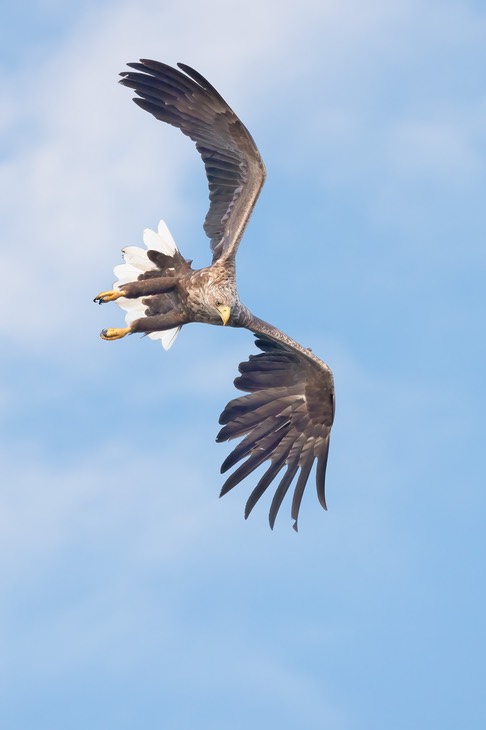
234,168
286,419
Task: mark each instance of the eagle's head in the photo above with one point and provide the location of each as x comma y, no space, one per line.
222,299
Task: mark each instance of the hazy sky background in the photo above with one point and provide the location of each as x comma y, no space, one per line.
131,597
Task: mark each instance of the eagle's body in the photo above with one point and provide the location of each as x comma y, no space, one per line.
287,416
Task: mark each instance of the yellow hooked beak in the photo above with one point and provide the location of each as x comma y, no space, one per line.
224,313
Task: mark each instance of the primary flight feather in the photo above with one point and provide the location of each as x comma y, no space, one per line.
286,417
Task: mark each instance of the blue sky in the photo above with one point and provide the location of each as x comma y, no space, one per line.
131,595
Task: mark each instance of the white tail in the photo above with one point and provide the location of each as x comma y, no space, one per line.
136,263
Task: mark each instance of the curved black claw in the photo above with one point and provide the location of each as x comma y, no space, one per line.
108,296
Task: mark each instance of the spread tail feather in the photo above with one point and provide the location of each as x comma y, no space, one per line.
136,262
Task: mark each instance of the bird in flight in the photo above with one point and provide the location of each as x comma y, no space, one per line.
285,418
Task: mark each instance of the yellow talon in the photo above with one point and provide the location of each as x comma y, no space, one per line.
108,296
112,333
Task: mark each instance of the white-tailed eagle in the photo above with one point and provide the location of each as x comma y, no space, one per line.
286,417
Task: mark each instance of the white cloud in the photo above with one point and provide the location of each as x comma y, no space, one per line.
45,509
92,171
118,563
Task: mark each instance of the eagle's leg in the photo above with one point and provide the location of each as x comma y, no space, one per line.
135,289
158,323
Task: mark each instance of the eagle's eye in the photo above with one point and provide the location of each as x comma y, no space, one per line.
218,304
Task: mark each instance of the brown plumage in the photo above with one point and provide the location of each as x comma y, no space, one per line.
285,418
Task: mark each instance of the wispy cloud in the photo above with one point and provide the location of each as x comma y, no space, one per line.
120,568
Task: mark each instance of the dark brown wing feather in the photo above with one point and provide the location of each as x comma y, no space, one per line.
234,168
286,418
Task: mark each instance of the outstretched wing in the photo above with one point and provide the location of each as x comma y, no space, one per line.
234,168
286,419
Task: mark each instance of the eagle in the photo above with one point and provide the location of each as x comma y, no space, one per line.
284,420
